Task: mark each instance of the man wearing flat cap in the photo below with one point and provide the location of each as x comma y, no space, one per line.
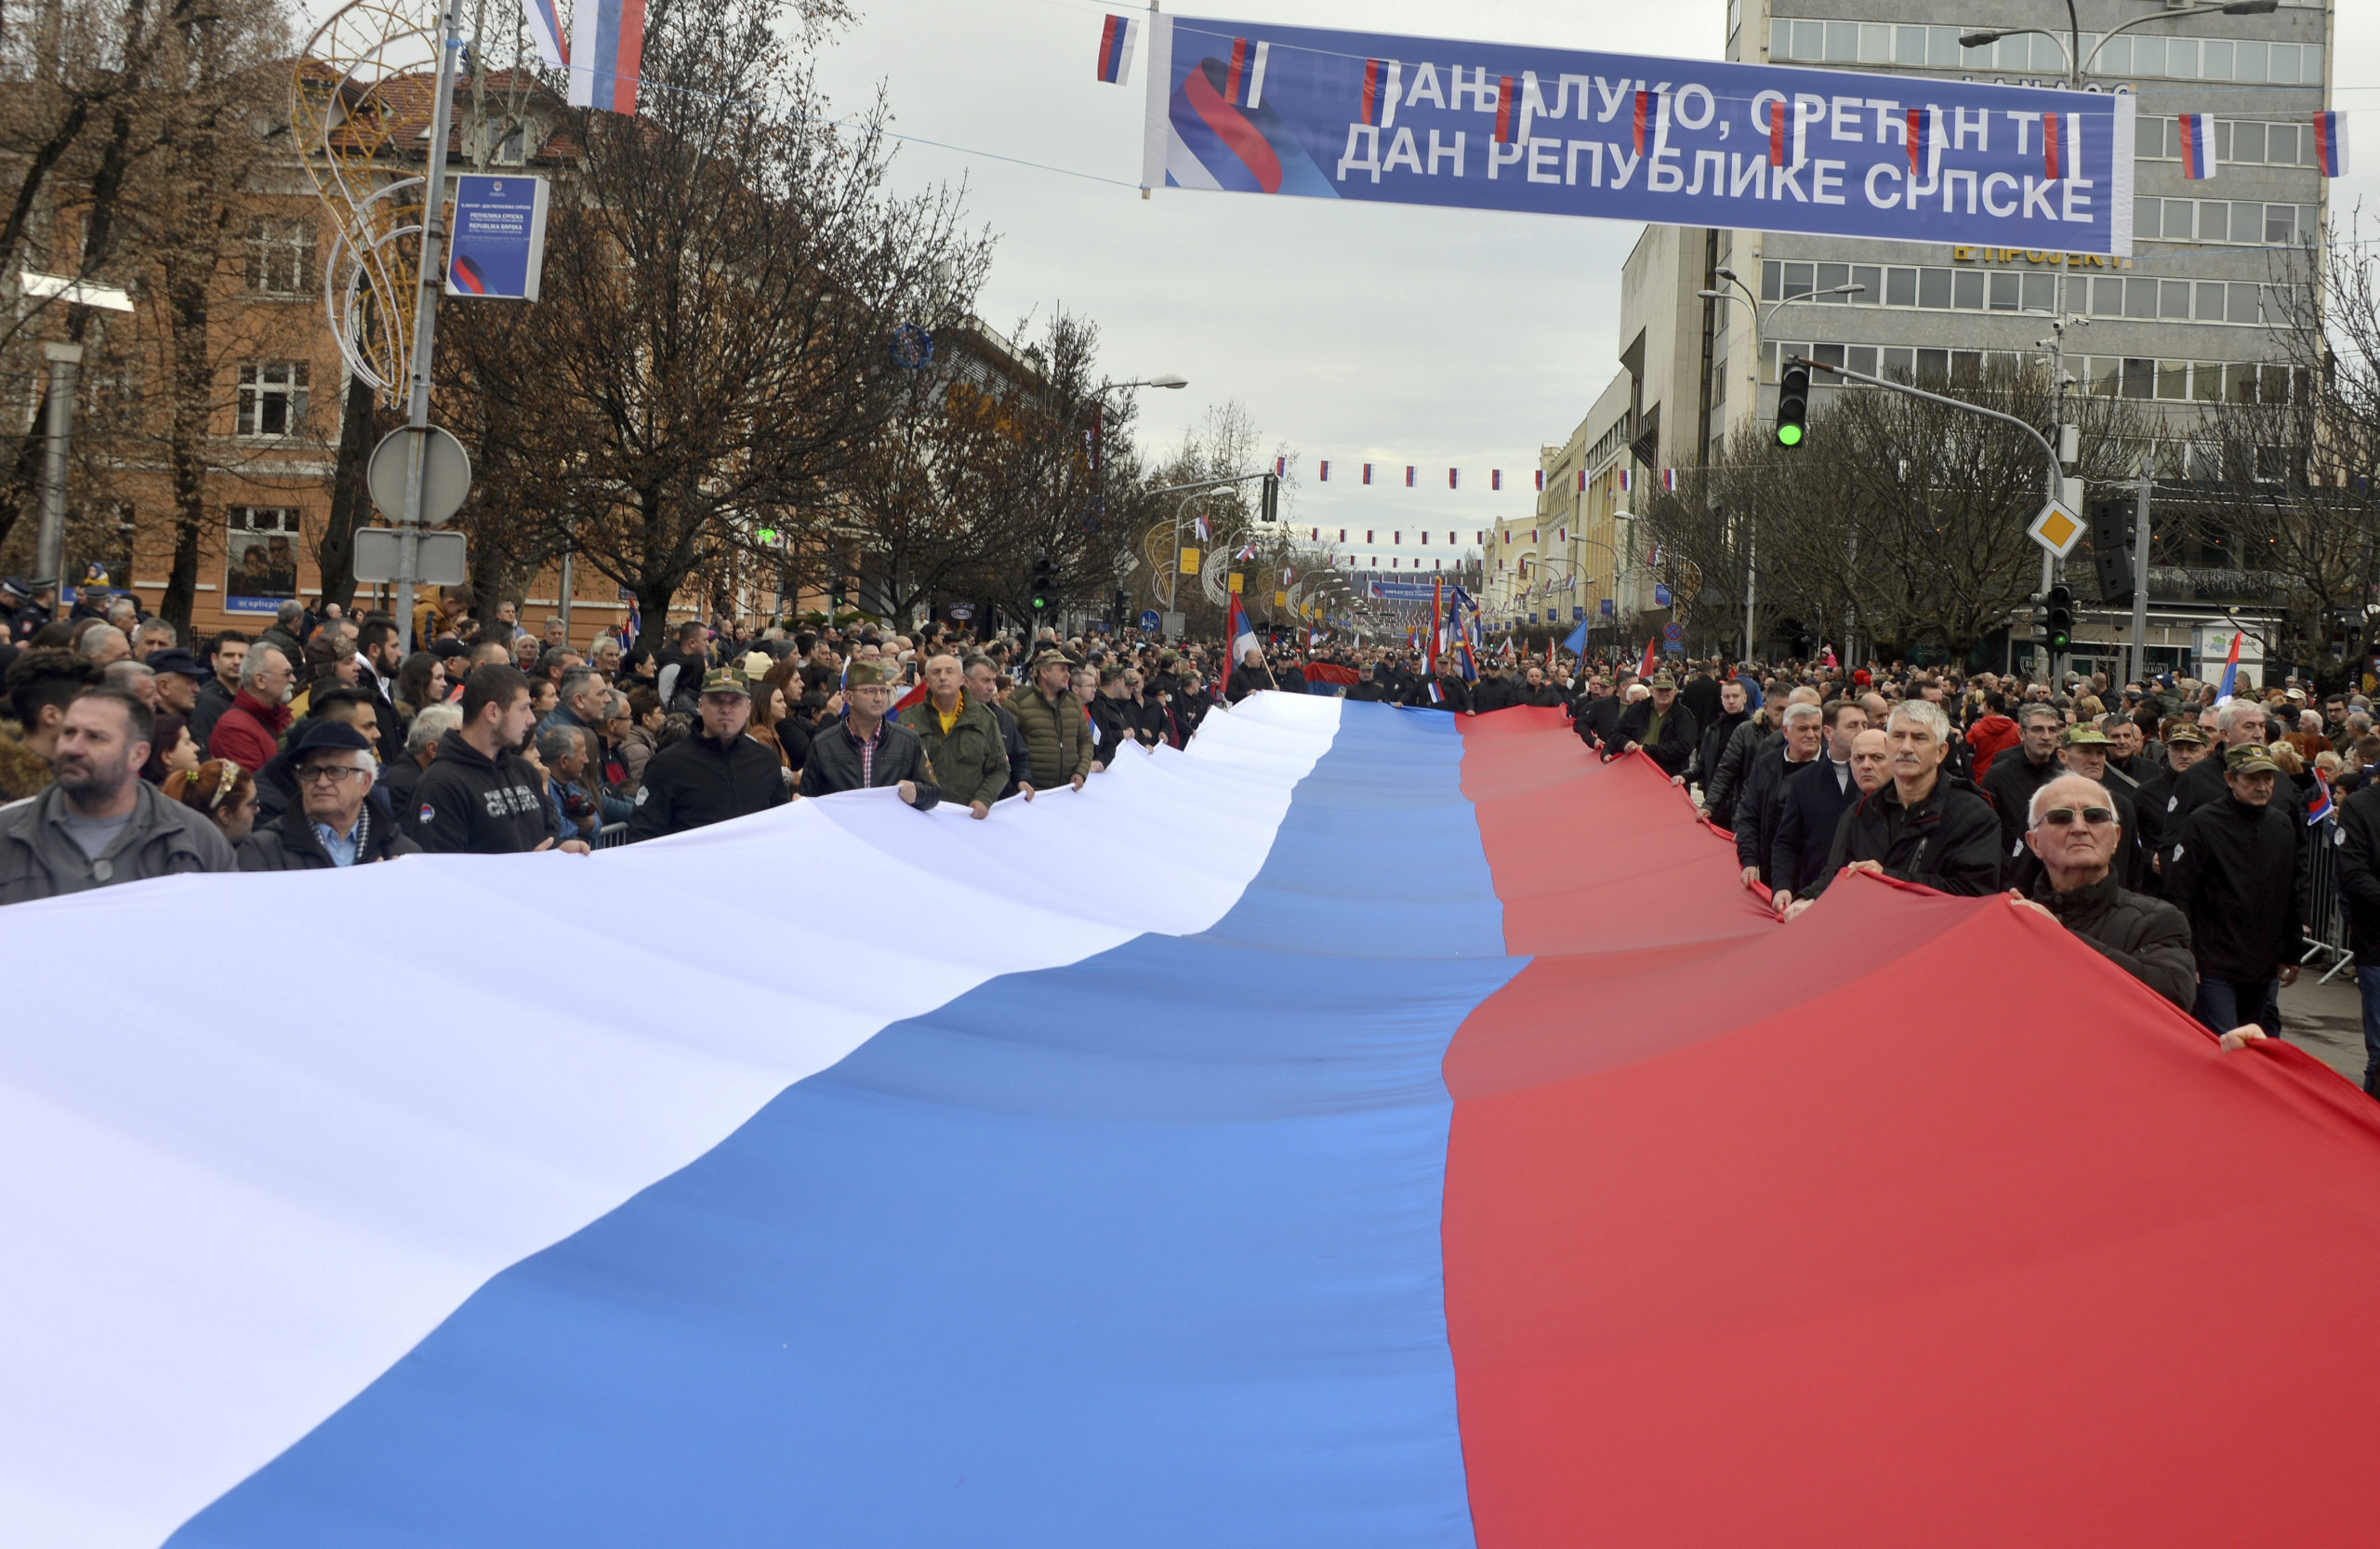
1658,727
864,750
715,774
2236,867
331,823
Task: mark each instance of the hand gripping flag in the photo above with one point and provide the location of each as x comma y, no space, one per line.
1117,36
546,32
2330,143
2321,807
2198,146
608,54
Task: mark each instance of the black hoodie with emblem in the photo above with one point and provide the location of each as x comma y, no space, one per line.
467,803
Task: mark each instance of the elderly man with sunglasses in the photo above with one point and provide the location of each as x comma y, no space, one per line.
2075,832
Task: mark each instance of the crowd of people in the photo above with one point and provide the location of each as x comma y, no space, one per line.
2171,829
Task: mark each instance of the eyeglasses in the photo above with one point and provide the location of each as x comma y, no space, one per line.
2060,818
326,775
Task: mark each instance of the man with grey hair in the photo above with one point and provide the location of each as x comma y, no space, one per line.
2241,722
584,706
137,679
103,645
1922,825
1759,805
332,824
153,635
399,775
2074,831
563,752
2024,769
249,733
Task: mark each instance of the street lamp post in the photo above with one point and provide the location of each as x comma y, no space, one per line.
2077,65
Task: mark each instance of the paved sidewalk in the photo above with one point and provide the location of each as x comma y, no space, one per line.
2326,1021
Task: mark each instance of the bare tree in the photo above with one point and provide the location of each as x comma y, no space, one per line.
721,293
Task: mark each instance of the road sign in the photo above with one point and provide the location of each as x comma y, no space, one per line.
1673,634
962,612
445,476
1175,623
440,559
1150,621
2058,529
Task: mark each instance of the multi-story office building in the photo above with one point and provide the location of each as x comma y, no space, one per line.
2188,321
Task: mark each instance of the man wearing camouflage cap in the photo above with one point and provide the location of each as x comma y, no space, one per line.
715,774
1658,727
2158,803
2236,868
864,751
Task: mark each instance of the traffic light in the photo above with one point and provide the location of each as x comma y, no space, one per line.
1793,407
1045,583
1270,509
2057,615
835,594
2112,546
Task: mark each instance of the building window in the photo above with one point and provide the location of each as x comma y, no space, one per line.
260,558
281,256
272,399
2130,54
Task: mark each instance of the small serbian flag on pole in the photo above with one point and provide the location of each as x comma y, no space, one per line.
604,66
1582,480
1540,478
1652,656
1626,479
1368,473
1495,478
2330,143
2050,147
1409,475
1246,552
1117,35
1920,131
1505,112
544,30
1198,528
1669,478
1454,478
2320,808
2198,146
1280,467
1381,85
2231,671
1325,476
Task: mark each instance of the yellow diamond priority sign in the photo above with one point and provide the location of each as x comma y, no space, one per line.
2057,529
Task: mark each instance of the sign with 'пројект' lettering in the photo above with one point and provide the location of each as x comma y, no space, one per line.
499,244
1255,108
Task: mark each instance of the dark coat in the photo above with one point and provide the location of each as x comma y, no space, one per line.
467,803
1670,750
970,761
2239,873
1712,748
2146,937
1722,787
2021,868
1949,842
2356,849
1454,695
835,762
1599,720
2011,784
2202,785
1759,805
213,700
1809,806
292,844
1701,694
1109,717
697,781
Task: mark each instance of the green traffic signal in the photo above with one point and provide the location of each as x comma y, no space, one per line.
1789,435
1792,406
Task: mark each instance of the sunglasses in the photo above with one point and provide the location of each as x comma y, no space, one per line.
2060,818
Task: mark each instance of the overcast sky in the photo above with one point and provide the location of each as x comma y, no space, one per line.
1388,332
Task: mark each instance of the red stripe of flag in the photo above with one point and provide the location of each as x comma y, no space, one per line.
1238,72
2049,147
1643,98
1108,32
1371,95
1777,134
1504,110
1916,138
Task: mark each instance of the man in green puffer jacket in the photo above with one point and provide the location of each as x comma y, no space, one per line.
1056,730
961,737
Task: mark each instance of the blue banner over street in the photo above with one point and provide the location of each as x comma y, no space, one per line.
1255,108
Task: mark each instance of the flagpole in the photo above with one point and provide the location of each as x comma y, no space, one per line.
1437,617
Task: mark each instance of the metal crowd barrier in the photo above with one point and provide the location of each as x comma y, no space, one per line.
611,836
2326,909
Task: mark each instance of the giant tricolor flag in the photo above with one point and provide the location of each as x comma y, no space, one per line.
1445,1195
2330,143
607,51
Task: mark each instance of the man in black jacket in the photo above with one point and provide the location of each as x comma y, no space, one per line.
715,774
1658,727
1924,826
1758,803
1713,743
1367,685
1812,803
864,751
2021,771
1699,694
2073,837
984,687
2158,805
1600,718
2359,856
479,796
332,823
2236,868
2240,723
